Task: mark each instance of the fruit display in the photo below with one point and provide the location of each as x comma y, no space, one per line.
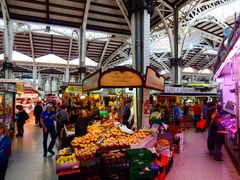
95,128
103,140
66,159
113,155
115,160
64,151
86,153
163,147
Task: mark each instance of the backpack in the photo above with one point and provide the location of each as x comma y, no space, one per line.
26,116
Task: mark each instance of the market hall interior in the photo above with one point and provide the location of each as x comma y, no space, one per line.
123,89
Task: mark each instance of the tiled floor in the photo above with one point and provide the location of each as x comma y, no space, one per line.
27,163
194,163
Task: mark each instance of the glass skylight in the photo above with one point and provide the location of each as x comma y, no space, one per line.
88,62
51,58
17,56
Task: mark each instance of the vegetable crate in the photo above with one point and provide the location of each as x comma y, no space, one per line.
141,153
140,163
118,174
140,173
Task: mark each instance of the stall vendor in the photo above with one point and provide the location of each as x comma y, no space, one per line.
83,122
114,114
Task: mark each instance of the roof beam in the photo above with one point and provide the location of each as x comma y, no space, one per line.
115,53
85,15
4,9
47,4
202,9
124,11
159,60
193,58
70,49
208,35
168,5
31,43
103,53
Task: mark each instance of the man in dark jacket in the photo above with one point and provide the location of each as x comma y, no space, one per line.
37,113
83,122
22,116
126,113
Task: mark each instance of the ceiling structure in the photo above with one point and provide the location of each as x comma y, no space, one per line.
112,46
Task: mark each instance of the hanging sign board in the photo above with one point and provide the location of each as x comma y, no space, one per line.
121,77
154,80
20,88
12,88
90,83
3,87
74,89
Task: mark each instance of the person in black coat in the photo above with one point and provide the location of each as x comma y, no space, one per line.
38,109
22,116
83,122
211,131
219,138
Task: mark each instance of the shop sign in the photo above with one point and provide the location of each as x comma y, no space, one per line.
121,77
91,82
3,87
154,80
20,88
183,90
12,88
74,89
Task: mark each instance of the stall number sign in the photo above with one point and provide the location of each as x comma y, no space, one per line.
91,83
3,87
121,79
182,90
154,80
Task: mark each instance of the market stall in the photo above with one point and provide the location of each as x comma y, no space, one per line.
7,105
109,144
227,75
109,152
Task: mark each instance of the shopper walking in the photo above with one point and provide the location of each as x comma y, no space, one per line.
47,122
211,131
205,110
219,138
185,115
5,147
62,119
22,116
197,113
38,109
176,114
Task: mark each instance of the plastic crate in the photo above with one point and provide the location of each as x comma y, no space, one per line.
115,174
138,163
140,174
141,153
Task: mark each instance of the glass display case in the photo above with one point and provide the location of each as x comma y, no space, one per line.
7,105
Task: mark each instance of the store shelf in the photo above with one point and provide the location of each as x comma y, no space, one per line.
230,111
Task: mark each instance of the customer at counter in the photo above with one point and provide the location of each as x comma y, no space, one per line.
83,122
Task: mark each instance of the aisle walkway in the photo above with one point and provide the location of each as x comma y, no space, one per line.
27,162
194,163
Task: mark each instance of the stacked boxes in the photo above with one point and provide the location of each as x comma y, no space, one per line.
140,161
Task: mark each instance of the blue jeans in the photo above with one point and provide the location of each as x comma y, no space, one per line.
196,119
50,130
